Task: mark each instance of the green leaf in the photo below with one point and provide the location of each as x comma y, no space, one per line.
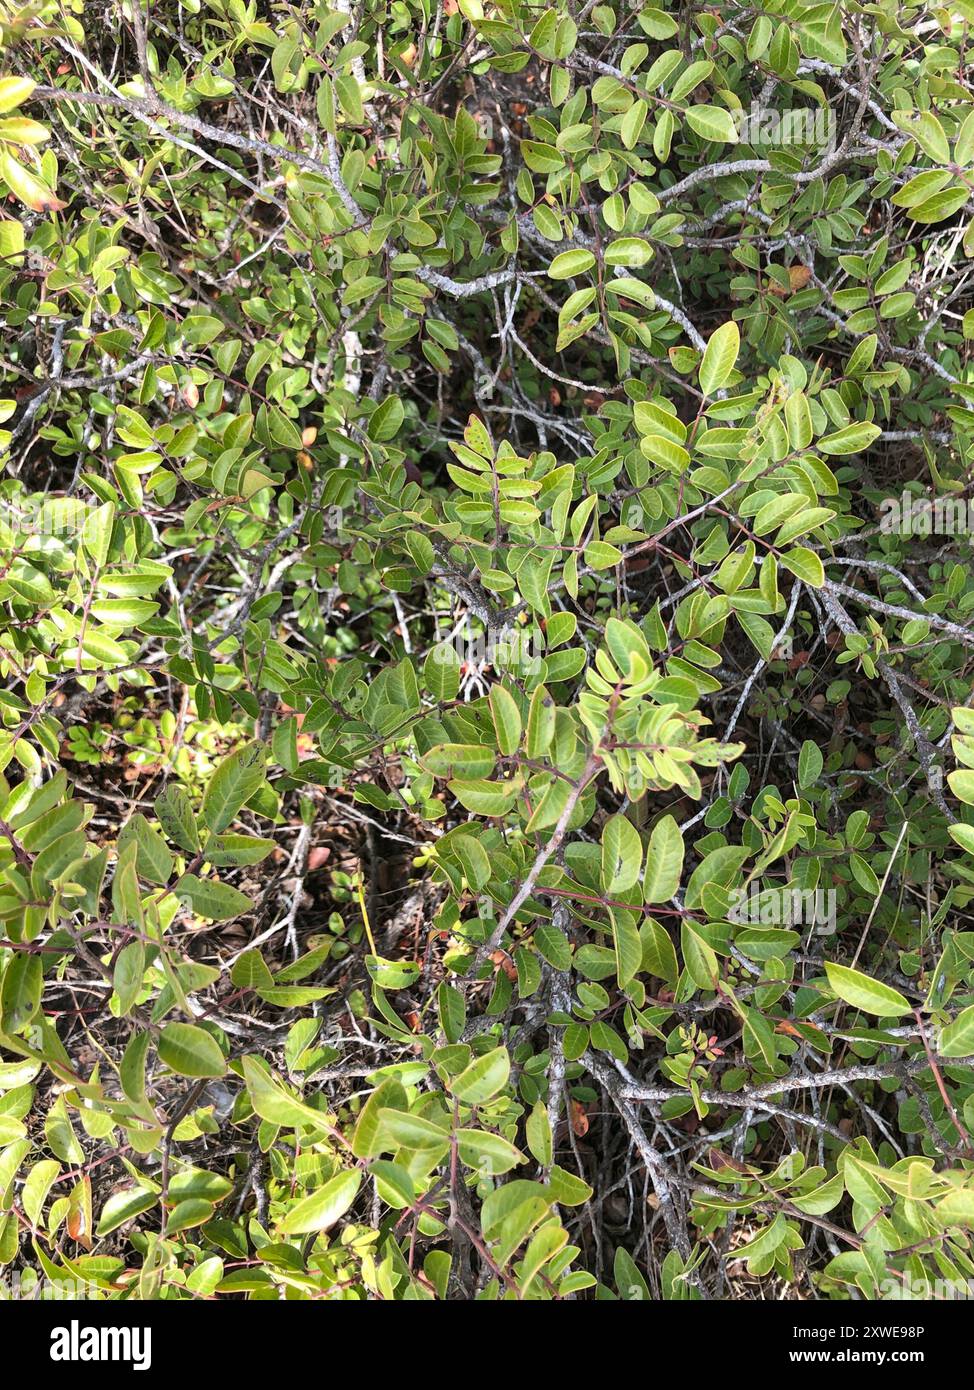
350,98
765,1242
864,874
863,992
200,329
964,146
393,1183
553,945
452,1010
20,991
698,957
96,534
691,78
921,188
957,1208
472,760
484,798
926,130
210,898
629,250
541,723
567,1189
963,834
410,1132
272,1102
502,1207
537,1128
571,263
473,858
233,784
719,358
42,1178
957,1038
810,764
123,612
128,975
483,1078
664,862
713,123
632,123
666,452
600,555
131,1073
226,851
629,950
542,158
323,1208
191,1051
386,420
798,417
441,673
822,1198
154,860
60,1135
185,1215
805,565
490,1154
759,632
507,719
175,814
659,953
961,783
250,971
622,855
125,1206
284,744
96,643
853,439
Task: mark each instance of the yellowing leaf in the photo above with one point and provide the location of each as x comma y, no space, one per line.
14,90
31,192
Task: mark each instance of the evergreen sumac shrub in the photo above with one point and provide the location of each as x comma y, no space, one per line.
487,626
